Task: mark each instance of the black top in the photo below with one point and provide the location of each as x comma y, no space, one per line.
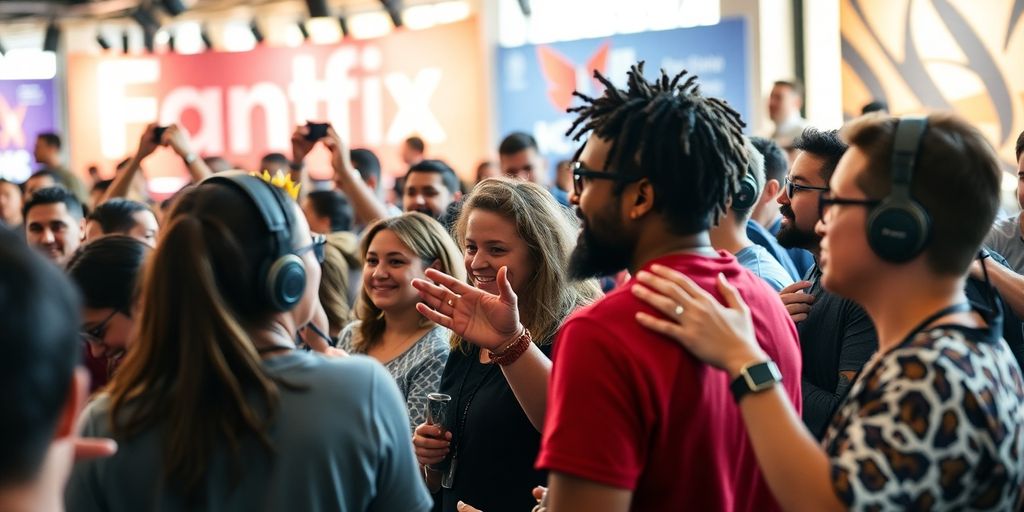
837,336
981,295
497,446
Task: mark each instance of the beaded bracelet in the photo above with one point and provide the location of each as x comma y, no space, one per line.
513,350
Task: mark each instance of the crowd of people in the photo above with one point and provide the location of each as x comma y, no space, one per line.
681,316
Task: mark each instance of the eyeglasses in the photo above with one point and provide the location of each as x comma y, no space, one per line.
793,187
95,335
319,241
579,172
825,202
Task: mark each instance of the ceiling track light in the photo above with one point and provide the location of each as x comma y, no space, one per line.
343,25
170,42
3,49
149,39
394,10
52,39
125,42
257,34
102,41
524,5
318,8
205,36
174,7
145,17
302,29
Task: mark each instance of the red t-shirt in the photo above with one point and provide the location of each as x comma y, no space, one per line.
633,409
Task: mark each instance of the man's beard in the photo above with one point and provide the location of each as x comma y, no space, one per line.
426,211
597,256
790,236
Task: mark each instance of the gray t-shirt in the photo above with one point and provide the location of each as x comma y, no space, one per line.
341,443
758,260
1005,238
417,371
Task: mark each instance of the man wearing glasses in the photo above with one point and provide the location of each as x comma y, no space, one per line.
836,335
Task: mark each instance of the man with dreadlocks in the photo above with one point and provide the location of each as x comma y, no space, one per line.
634,423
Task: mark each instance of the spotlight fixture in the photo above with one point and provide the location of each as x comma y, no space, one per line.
524,5
174,7
145,17
303,30
343,24
102,41
394,9
149,39
318,8
125,43
52,39
205,36
256,32
3,49
170,42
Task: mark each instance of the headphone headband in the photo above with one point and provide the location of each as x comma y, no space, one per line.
909,132
275,213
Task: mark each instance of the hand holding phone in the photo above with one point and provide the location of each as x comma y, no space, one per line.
316,131
158,134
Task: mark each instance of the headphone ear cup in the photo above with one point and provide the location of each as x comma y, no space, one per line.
746,196
286,282
898,230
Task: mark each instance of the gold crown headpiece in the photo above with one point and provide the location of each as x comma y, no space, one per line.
282,181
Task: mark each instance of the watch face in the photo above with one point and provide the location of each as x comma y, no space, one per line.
763,375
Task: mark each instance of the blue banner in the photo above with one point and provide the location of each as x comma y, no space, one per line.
535,82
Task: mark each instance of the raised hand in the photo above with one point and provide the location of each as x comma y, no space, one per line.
175,137
484,319
722,336
300,146
147,142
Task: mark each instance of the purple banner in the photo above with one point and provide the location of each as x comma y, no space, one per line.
27,108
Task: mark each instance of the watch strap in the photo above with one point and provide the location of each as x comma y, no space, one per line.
754,378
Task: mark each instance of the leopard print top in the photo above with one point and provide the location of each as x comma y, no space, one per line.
936,423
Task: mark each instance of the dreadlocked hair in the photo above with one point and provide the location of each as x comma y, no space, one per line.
690,148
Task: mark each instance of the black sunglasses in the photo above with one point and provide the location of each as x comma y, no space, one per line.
825,201
579,172
793,187
95,335
319,241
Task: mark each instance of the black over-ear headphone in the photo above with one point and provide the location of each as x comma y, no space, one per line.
746,194
899,227
284,275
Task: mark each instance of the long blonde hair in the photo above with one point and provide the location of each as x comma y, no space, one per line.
193,374
339,258
428,240
549,231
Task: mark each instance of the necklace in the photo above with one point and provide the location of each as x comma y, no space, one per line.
461,424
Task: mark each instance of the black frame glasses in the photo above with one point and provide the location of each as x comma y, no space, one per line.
824,202
579,171
319,241
794,187
95,335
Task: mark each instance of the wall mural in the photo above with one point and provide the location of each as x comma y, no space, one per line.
922,55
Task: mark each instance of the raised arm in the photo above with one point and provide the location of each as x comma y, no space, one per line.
177,139
122,183
365,203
